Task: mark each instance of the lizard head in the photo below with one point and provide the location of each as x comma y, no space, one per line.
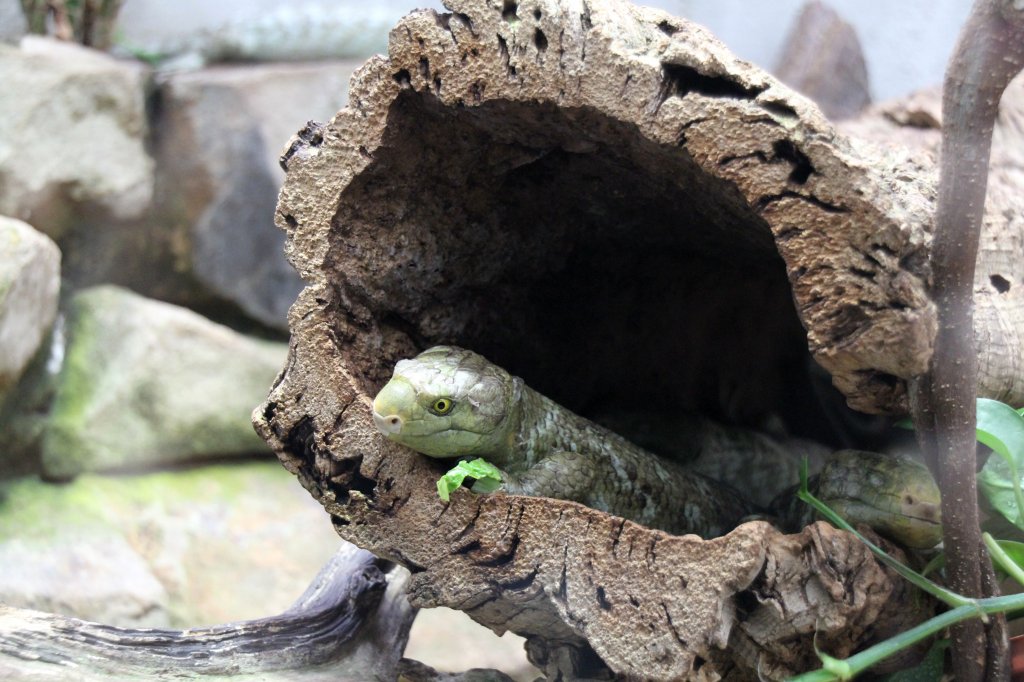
448,402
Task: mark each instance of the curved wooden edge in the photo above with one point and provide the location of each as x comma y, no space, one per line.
353,617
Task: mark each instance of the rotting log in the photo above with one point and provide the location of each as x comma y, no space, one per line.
605,201
911,127
350,624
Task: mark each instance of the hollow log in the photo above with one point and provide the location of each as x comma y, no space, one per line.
350,624
605,201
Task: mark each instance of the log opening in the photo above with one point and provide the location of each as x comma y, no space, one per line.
606,269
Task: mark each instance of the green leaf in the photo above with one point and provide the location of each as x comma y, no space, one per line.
488,477
1001,428
1014,550
1007,556
928,670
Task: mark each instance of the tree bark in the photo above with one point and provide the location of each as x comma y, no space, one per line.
989,53
350,624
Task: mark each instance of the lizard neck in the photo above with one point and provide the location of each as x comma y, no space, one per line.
543,427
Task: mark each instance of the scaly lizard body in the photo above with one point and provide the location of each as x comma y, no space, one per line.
449,403
452,403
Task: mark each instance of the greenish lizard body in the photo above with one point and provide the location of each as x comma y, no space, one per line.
452,403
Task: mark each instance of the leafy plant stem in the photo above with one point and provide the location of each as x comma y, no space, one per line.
941,593
1003,559
861,661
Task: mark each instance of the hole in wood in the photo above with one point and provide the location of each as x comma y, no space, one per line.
509,10
611,277
1000,283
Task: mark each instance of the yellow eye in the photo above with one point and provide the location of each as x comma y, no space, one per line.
442,406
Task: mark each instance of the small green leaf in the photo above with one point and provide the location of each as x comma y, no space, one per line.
488,477
928,670
1007,556
1001,428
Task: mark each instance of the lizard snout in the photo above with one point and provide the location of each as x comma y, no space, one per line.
392,405
387,424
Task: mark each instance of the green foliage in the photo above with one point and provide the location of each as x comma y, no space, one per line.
1001,428
1014,552
488,477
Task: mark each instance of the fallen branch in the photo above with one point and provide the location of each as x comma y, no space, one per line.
353,618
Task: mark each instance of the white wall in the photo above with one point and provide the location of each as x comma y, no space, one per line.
906,42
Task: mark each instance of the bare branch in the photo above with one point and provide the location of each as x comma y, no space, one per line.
989,53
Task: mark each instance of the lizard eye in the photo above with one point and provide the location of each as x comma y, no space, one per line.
442,406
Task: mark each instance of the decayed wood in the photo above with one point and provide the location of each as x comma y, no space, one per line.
586,589
602,199
913,124
997,297
666,107
350,624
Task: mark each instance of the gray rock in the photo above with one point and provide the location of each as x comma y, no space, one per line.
439,639
147,383
822,58
220,133
72,575
178,548
29,287
12,21
72,130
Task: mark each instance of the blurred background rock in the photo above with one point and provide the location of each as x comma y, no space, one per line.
144,290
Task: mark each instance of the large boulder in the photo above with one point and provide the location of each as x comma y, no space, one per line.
71,575
72,135
219,134
147,383
29,287
168,549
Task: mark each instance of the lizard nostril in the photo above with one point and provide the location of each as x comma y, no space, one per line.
388,425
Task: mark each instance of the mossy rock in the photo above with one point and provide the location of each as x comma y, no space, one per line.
146,383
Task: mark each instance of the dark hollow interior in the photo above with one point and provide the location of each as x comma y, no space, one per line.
607,270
